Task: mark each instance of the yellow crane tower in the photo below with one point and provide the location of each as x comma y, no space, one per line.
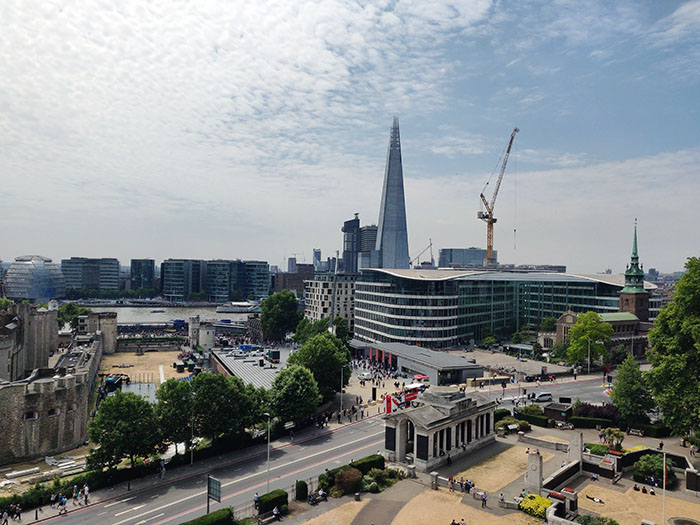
487,215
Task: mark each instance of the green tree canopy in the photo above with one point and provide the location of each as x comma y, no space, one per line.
548,324
618,354
69,313
294,394
5,303
279,315
325,356
558,351
674,378
342,328
490,340
630,393
125,427
516,338
589,328
174,411
220,405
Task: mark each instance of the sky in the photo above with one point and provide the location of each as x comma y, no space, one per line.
213,129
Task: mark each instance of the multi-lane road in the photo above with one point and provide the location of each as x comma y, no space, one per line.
588,388
241,476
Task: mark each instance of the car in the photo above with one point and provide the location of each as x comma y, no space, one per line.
543,396
365,376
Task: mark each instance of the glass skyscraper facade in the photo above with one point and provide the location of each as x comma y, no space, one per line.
35,278
445,309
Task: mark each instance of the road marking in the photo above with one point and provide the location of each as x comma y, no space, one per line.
155,496
199,494
120,501
128,510
101,513
149,519
162,373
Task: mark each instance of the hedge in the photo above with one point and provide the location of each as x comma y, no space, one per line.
219,517
499,414
274,498
349,480
598,449
590,422
535,505
366,464
301,490
540,421
657,430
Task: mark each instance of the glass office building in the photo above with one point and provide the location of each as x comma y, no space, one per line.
449,308
35,278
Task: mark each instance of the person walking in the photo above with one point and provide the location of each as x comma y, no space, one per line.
255,500
5,517
276,513
484,497
86,490
53,499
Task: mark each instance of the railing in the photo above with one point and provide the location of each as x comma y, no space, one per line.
246,511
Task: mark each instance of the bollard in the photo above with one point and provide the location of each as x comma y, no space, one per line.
434,480
411,471
128,485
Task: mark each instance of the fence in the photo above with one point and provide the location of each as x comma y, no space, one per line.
249,510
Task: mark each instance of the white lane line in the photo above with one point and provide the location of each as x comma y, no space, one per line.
120,501
101,513
129,510
198,494
162,373
149,519
155,496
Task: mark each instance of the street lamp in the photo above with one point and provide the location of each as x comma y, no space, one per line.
341,390
589,354
663,498
268,449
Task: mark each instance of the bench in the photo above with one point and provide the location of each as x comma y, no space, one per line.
616,479
267,517
636,432
319,499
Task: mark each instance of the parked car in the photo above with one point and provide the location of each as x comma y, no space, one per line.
543,397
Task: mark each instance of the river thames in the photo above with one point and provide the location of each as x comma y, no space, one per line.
162,314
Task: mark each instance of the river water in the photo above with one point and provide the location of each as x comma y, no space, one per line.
145,314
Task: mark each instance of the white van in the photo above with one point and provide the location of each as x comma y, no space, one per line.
365,375
543,396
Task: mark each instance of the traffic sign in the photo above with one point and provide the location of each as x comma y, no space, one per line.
214,488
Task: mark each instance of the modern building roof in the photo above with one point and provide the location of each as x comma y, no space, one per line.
618,316
487,275
418,354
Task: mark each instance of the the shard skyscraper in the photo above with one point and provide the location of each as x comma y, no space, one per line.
392,236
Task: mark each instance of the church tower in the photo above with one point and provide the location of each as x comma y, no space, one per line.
633,297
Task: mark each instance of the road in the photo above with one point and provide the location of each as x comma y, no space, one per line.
185,498
588,389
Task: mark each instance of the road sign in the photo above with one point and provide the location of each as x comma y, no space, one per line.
214,489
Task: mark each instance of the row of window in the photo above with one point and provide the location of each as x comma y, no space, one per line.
32,415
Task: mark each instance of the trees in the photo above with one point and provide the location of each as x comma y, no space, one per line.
325,356
125,426
629,393
69,313
613,437
5,303
516,338
220,405
305,329
489,341
548,324
618,354
342,329
174,411
674,378
589,329
294,395
279,315
558,351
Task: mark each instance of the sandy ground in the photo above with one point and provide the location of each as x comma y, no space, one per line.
340,515
146,367
552,439
501,469
629,508
441,507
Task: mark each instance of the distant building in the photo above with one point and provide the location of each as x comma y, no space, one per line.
257,279
318,296
291,265
462,257
351,244
225,280
143,274
368,243
317,259
35,278
83,273
181,278
392,234
634,298
627,330
293,281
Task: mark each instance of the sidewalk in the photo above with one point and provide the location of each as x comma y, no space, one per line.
199,468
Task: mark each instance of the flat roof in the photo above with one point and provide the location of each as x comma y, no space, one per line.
250,372
418,354
618,316
496,275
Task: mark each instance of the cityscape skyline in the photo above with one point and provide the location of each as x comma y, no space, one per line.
122,139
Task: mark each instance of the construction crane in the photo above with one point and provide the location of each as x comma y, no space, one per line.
417,257
487,216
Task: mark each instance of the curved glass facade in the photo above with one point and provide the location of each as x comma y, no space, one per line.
35,278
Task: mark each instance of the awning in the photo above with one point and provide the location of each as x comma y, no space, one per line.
420,376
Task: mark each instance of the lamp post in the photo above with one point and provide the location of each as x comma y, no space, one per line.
663,497
589,354
268,449
341,390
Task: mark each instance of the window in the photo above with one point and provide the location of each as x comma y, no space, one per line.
54,412
31,415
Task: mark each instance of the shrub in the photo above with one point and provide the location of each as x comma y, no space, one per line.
274,498
599,449
218,517
652,465
657,430
380,476
366,464
284,510
366,482
500,413
540,421
595,520
535,505
606,411
349,480
301,490
336,492
590,422
373,487
534,410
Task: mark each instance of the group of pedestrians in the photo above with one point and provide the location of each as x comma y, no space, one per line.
14,512
80,496
464,485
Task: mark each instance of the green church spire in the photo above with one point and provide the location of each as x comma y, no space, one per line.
634,275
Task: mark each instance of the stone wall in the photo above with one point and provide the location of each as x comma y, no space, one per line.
27,336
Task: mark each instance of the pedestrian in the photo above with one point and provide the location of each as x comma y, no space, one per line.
86,490
255,500
451,484
484,497
661,445
75,494
5,517
53,495
362,411
162,469
692,450
276,513
501,497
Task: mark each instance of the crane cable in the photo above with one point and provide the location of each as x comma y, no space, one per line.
515,201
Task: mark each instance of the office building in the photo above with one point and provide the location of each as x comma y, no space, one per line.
317,259
181,278
392,235
257,279
34,278
351,244
293,281
291,265
83,273
318,296
225,280
462,257
143,274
